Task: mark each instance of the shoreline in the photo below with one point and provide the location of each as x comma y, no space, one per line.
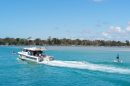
65,46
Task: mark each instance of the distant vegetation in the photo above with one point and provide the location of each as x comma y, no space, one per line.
64,41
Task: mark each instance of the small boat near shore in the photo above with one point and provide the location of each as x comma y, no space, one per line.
34,54
117,60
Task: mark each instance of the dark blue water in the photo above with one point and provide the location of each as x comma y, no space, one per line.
93,66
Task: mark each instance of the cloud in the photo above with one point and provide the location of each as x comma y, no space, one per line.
117,33
128,28
115,30
105,34
97,0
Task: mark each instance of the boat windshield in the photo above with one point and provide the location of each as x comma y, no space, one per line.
25,50
35,53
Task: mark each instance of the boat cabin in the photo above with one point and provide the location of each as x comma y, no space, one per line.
34,54
34,51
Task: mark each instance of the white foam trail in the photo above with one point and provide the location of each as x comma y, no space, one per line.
87,65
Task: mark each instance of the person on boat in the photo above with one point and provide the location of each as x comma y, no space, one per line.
118,58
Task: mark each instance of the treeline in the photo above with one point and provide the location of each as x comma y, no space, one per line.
64,41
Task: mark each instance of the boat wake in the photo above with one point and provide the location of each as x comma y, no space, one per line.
87,65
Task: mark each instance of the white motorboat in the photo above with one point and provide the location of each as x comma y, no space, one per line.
34,54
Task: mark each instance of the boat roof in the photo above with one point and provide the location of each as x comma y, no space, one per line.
35,49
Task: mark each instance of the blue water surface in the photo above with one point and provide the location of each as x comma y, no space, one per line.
14,72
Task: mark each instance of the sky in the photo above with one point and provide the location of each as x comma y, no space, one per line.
82,19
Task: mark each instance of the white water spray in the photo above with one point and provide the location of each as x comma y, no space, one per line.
87,65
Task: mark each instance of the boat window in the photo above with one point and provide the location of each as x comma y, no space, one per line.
31,58
25,50
37,53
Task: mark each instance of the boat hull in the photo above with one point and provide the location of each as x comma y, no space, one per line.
35,59
26,58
